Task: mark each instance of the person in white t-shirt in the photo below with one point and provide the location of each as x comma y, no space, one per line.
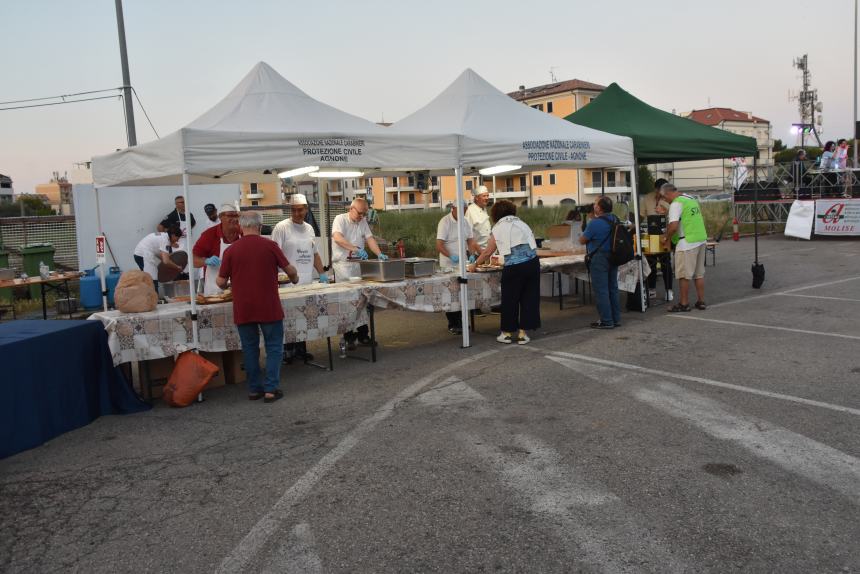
477,216
173,244
148,251
297,240
447,238
350,234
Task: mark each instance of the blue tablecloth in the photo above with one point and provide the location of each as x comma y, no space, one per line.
56,376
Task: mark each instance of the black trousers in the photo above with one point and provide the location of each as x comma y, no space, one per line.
665,265
521,296
361,332
455,319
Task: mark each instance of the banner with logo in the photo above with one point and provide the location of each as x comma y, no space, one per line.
837,217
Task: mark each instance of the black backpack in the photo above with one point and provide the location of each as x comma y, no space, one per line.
620,242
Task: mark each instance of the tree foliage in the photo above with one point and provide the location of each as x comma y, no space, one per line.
33,206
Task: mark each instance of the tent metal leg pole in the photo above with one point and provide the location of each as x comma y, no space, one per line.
191,269
643,293
461,251
101,265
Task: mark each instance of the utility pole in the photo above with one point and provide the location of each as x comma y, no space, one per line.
126,81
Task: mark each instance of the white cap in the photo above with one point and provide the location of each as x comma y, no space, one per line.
298,199
480,190
227,208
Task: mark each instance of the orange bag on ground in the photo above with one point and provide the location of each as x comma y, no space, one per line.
190,375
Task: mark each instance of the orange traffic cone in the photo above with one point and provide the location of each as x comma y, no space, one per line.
735,233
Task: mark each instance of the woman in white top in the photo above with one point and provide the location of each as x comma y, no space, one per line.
520,275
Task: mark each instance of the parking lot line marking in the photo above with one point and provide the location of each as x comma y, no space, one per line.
238,558
297,554
793,452
817,297
771,327
692,379
753,298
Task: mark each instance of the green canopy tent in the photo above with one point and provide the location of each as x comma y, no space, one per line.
660,137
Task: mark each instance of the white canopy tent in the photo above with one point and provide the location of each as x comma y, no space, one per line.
264,124
268,124
491,129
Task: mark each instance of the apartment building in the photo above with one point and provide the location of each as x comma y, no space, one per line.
59,194
717,174
6,189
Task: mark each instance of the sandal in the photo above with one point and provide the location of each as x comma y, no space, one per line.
678,308
276,394
255,396
700,305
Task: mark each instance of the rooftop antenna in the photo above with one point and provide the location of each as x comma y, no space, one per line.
552,77
806,102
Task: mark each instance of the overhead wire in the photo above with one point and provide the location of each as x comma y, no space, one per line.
61,96
59,103
144,112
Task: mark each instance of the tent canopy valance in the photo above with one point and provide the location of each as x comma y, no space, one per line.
658,136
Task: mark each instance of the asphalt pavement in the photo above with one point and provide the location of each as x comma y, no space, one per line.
711,441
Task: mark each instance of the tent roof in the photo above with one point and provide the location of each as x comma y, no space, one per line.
493,129
267,123
659,136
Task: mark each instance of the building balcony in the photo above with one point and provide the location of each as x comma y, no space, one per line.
257,195
407,206
504,193
607,189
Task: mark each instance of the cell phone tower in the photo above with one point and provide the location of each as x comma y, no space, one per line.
807,104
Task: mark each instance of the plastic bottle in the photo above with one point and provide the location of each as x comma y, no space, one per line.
342,347
43,270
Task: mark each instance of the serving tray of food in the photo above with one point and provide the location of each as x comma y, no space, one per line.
224,297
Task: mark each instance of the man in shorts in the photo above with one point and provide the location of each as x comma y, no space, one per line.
686,229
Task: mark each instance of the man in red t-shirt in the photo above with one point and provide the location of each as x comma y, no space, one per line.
251,266
213,243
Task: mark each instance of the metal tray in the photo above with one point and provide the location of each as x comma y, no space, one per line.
376,270
419,266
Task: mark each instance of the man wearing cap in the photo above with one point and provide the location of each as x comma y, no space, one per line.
687,232
211,215
210,247
177,216
350,233
447,245
477,217
296,238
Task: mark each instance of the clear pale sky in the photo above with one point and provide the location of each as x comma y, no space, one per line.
376,58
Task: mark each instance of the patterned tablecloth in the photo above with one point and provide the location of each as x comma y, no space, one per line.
440,292
557,263
310,312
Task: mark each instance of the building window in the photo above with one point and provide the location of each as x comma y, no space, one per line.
596,180
552,179
610,179
537,180
435,197
625,177
434,181
253,188
411,199
396,197
509,184
393,182
254,202
410,181
538,107
469,185
522,183
549,107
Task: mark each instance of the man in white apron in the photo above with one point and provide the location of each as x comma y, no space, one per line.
350,234
447,238
210,247
297,240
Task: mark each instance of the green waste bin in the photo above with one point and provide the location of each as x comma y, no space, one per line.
31,256
6,292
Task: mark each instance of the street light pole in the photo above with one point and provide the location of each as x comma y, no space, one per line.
855,83
126,81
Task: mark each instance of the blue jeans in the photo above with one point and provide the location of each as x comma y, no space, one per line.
273,336
604,281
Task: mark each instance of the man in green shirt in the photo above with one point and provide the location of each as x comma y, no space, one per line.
686,229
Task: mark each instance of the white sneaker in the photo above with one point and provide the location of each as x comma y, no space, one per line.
523,339
504,338
669,295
